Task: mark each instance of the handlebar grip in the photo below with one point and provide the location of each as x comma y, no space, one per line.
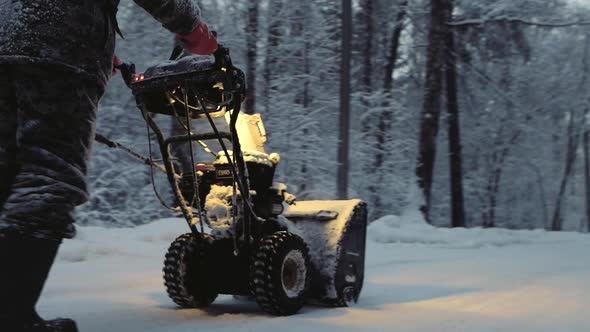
176,52
127,71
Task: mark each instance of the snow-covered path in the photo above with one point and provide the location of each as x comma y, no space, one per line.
418,279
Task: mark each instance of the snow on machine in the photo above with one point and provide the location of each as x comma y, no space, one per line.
248,236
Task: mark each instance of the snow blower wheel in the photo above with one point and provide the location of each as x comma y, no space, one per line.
185,271
280,275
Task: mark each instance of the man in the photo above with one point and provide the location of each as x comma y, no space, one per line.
56,57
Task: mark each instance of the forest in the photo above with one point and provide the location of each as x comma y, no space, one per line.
477,113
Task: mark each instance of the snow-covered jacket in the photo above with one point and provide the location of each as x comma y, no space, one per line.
77,34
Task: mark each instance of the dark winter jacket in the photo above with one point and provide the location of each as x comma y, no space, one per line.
77,34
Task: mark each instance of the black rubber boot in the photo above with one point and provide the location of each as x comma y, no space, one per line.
25,266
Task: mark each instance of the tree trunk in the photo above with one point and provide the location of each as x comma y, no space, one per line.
343,143
385,118
499,158
573,140
394,49
272,43
306,102
587,170
366,34
455,156
251,39
493,188
367,45
586,131
432,101
303,72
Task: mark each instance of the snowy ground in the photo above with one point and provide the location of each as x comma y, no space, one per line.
418,279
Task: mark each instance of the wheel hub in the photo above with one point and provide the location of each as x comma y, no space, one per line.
293,273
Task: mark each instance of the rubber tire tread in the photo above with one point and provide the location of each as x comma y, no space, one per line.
185,268
265,273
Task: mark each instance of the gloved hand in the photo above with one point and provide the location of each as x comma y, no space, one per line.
116,63
200,41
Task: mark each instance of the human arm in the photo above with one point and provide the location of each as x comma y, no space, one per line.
178,16
183,17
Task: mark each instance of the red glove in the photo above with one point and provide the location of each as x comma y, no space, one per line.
116,63
199,41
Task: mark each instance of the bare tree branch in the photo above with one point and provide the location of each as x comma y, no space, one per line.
484,21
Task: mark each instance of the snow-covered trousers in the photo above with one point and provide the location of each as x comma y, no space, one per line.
47,119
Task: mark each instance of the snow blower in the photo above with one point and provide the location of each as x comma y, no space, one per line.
248,236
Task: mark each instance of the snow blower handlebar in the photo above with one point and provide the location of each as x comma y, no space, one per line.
196,88
222,60
214,87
